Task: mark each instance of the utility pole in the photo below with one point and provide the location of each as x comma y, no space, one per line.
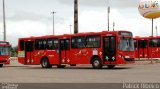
4,21
108,12
156,31
152,41
113,25
108,16
75,16
70,28
53,21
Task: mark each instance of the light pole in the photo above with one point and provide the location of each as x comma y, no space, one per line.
156,31
53,20
76,16
152,41
70,29
113,25
108,16
108,12
4,21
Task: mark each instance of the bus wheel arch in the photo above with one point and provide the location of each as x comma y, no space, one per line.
45,63
96,62
1,65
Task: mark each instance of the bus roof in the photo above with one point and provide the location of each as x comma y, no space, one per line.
4,43
77,34
145,38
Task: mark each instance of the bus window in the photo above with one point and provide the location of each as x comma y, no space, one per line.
135,43
78,42
93,41
21,45
52,44
142,44
158,43
4,51
153,43
55,44
40,44
113,43
65,44
29,46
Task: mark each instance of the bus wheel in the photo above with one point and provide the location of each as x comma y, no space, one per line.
111,66
61,66
96,63
45,63
1,65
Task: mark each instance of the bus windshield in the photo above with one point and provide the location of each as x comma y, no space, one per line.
126,44
4,50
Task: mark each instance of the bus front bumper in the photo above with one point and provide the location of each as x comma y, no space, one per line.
3,61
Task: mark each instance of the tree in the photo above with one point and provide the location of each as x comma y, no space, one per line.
14,51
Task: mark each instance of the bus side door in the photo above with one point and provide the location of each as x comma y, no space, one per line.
136,48
143,49
109,49
65,51
29,55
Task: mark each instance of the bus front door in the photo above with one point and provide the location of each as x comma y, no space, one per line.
143,49
65,51
109,49
29,55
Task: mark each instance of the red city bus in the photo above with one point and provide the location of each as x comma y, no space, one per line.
147,47
4,53
96,48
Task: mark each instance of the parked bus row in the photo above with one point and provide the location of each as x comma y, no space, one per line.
4,53
97,48
147,47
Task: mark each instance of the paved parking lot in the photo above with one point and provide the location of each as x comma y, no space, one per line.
18,73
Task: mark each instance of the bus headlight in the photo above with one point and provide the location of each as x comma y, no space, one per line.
121,56
127,56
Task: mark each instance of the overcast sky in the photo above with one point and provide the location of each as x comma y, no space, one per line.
25,18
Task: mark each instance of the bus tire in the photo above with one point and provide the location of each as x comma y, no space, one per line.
1,65
61,66
45,63
96,63
110,66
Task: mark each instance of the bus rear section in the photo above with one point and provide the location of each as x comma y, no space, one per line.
4,53
97,48
40,50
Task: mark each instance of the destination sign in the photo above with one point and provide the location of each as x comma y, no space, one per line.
125,34
4,43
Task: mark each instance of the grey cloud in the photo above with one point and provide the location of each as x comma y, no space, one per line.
24,15
18,16
103,3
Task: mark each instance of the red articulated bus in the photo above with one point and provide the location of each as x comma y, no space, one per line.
96,48
147,47
4,53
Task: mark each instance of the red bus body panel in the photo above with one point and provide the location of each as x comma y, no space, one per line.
149,51
72,55
4,59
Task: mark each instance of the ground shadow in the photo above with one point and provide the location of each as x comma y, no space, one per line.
77,68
